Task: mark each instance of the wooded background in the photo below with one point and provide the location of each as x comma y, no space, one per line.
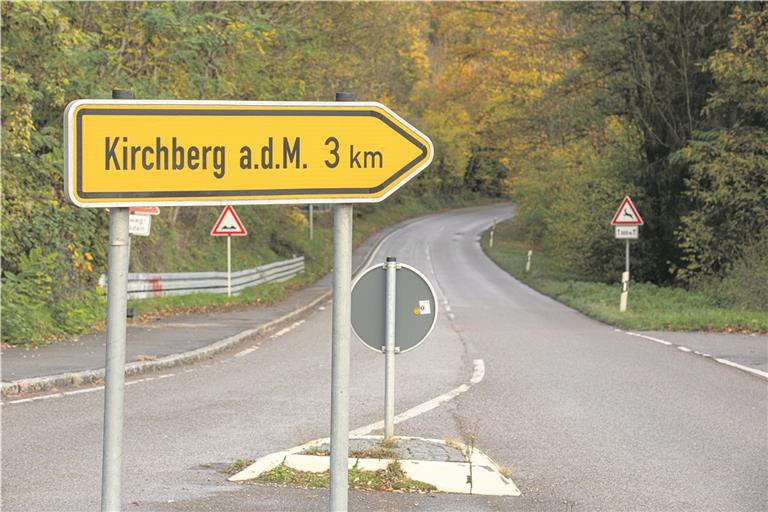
565,108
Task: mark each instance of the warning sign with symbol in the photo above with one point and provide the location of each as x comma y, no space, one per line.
627,214
228,224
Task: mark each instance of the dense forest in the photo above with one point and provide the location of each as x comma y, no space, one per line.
565,108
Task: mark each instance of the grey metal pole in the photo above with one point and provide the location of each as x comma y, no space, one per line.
229,266
311,223
389,350
114,378
627,257
341,333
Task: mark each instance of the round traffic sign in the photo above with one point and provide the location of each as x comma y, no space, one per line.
415,307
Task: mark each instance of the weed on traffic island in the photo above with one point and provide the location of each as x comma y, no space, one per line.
392,478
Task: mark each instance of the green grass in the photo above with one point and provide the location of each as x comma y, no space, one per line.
391,478
650,307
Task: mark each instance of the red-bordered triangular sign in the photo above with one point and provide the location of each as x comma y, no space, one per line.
627,214
228,224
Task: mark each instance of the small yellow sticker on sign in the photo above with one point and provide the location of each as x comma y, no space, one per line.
155,153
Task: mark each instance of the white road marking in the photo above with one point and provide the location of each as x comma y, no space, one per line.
726,362
742,367
287,329
657,340
87,390
246,352
477,376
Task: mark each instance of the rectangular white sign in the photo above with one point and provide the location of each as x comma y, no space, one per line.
139,224
624,232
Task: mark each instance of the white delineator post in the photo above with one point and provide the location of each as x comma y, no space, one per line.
528,263
625,282
389,348
341,335
490,238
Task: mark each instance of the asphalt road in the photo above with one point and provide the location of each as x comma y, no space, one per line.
586,418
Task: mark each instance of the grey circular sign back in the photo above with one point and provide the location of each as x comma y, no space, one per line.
415,307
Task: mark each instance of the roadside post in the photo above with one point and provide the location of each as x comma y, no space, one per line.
341,331
626,222
228,224
119,154
490,238
118,259
528,263
311,222
389,349
394,309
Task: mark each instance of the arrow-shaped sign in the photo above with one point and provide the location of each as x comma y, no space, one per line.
154,153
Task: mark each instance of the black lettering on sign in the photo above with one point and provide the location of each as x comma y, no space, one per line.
120,155
266,155
291,154
246,157
331,164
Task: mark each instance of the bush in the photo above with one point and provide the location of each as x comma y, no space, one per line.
745,285
35,310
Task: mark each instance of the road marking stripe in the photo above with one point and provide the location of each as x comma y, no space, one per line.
286,330
657,340
742,367
87,390
477,375
753,371
246,352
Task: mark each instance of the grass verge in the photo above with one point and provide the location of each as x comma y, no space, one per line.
650,307
392,478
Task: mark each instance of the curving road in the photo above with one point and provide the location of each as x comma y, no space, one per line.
586,418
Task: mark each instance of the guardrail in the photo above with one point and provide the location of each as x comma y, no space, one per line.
146,285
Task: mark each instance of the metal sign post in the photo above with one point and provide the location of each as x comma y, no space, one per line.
341,333
311,223
394,308
229,225
118,258
627,222
229,266
389,349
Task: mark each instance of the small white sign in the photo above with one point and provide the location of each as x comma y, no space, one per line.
139,224
424,307
627,232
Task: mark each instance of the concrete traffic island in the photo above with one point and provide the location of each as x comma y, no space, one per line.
444,466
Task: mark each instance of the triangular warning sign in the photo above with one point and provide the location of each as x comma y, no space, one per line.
228,224
627,214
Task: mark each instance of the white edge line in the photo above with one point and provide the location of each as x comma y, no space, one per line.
742,367
657,340
726,362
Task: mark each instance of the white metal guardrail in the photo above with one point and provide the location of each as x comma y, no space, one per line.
145,285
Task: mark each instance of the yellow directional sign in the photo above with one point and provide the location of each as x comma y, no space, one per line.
152,152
